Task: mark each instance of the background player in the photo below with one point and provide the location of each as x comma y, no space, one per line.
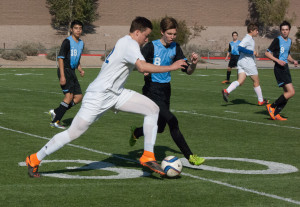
233,51
107,91
68,60
279,52
247,66
157,86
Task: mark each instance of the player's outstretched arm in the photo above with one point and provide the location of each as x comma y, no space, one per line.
194,60
144,67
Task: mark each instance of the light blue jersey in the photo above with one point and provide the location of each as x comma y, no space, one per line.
71,52
285,46
234,47
163,56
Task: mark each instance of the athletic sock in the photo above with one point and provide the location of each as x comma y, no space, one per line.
259,93
233,86
279,101
279,107
138,132
71,104
228,75
60,111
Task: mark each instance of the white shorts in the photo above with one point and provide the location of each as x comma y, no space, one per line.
248,70
95,104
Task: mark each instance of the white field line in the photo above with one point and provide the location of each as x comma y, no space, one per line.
186,174
238,120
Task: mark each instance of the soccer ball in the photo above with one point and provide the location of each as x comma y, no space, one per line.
172,166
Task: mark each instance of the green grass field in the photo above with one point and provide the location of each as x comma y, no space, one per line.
213,129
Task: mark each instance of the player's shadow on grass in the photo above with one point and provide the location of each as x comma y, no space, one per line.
67,122
238,101
122,160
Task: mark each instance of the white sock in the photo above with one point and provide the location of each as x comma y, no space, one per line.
150,131
57,142
259,93
233,86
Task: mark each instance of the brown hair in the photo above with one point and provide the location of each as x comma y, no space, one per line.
168,23
251,27
140,23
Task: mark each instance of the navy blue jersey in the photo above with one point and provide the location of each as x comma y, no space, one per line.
70,52
233,47
156,53
280,48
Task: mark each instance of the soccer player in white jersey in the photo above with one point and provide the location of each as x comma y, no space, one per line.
247,66
107,92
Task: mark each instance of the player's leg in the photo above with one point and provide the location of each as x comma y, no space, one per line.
77,94
228,74
280,103
91,109
133,102
241,78
258,91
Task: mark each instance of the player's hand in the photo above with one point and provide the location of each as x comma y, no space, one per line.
226,59
255,53
62,81
146,74
178,64
281,62
81,73
295,63
194,58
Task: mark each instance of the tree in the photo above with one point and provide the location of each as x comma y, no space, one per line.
65,11
268,13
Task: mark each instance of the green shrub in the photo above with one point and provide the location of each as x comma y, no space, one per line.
51,55
17,55
31,49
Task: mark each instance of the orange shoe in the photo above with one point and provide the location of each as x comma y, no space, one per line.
225,81
271,111
148,160
264,102
278,117
33,166
225,95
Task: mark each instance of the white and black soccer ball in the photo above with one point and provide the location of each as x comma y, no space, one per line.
172,166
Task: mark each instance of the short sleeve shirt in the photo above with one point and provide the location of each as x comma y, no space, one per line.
117,66
281,48
247,60
70,52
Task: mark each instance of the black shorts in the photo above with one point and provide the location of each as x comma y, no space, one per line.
160,93
233,61
72,85
282,74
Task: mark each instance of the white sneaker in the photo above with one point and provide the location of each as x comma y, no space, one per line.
57,125
52,114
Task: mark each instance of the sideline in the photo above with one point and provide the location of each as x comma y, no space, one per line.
186,174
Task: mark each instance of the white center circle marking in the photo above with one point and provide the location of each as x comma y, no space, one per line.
273,167
123,173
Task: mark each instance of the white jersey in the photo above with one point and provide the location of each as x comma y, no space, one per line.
247,60
117,66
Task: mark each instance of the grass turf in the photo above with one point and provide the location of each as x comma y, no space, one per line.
212,128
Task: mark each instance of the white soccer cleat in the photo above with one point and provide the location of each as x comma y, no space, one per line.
57,125
52,114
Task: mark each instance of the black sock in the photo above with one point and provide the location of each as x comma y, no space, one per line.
178,138
280,107
71,104
60,111
138,132
279,101
228,75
